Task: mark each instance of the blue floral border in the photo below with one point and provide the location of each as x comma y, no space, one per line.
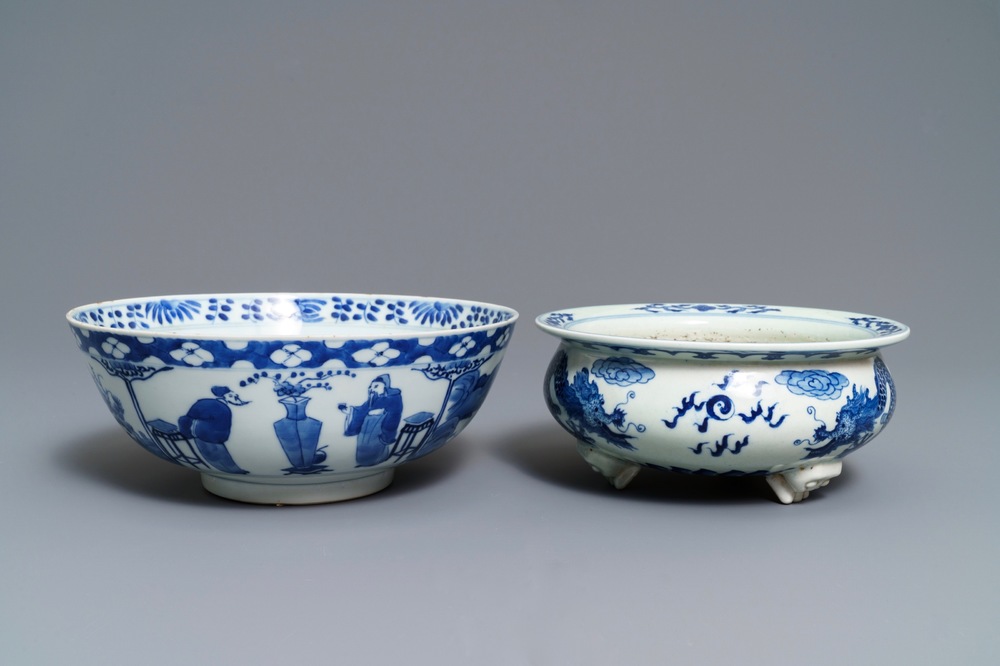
675,308
881,327
723,354
149,314
127,348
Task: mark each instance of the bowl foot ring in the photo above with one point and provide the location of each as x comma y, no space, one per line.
312,490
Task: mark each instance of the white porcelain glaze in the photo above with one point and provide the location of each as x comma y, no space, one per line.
292,398
720,389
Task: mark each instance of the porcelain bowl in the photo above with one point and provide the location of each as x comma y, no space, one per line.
717,389
292,398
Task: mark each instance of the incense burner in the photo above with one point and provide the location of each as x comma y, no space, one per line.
717,389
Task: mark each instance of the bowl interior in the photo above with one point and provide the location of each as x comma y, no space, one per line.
300,316
702,326
728,330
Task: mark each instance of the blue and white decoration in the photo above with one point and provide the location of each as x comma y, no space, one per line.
858,420
719,408
150,314
725,417
818,384
720,389
580,406
846,335
198,438
174,316
297,432
558,318
361,382
622,371
881,326
677,308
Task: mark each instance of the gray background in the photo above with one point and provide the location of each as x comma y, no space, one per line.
536,154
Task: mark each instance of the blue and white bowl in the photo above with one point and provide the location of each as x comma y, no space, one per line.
292,398
720,389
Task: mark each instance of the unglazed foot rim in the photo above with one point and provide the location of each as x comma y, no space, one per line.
794,485
278,491
618,472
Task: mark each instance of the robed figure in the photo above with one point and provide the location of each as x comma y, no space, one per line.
375,422
209,422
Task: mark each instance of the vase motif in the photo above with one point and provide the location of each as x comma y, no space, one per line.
299,434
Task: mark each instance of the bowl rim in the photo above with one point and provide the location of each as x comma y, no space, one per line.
327,332
879,331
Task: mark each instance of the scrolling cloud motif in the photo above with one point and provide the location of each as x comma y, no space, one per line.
818,384
621,371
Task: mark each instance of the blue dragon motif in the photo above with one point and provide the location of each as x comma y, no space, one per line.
586,416
857,420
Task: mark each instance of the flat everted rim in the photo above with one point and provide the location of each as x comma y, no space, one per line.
875,332
446,316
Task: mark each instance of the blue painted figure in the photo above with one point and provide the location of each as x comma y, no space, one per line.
375,422
209,422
